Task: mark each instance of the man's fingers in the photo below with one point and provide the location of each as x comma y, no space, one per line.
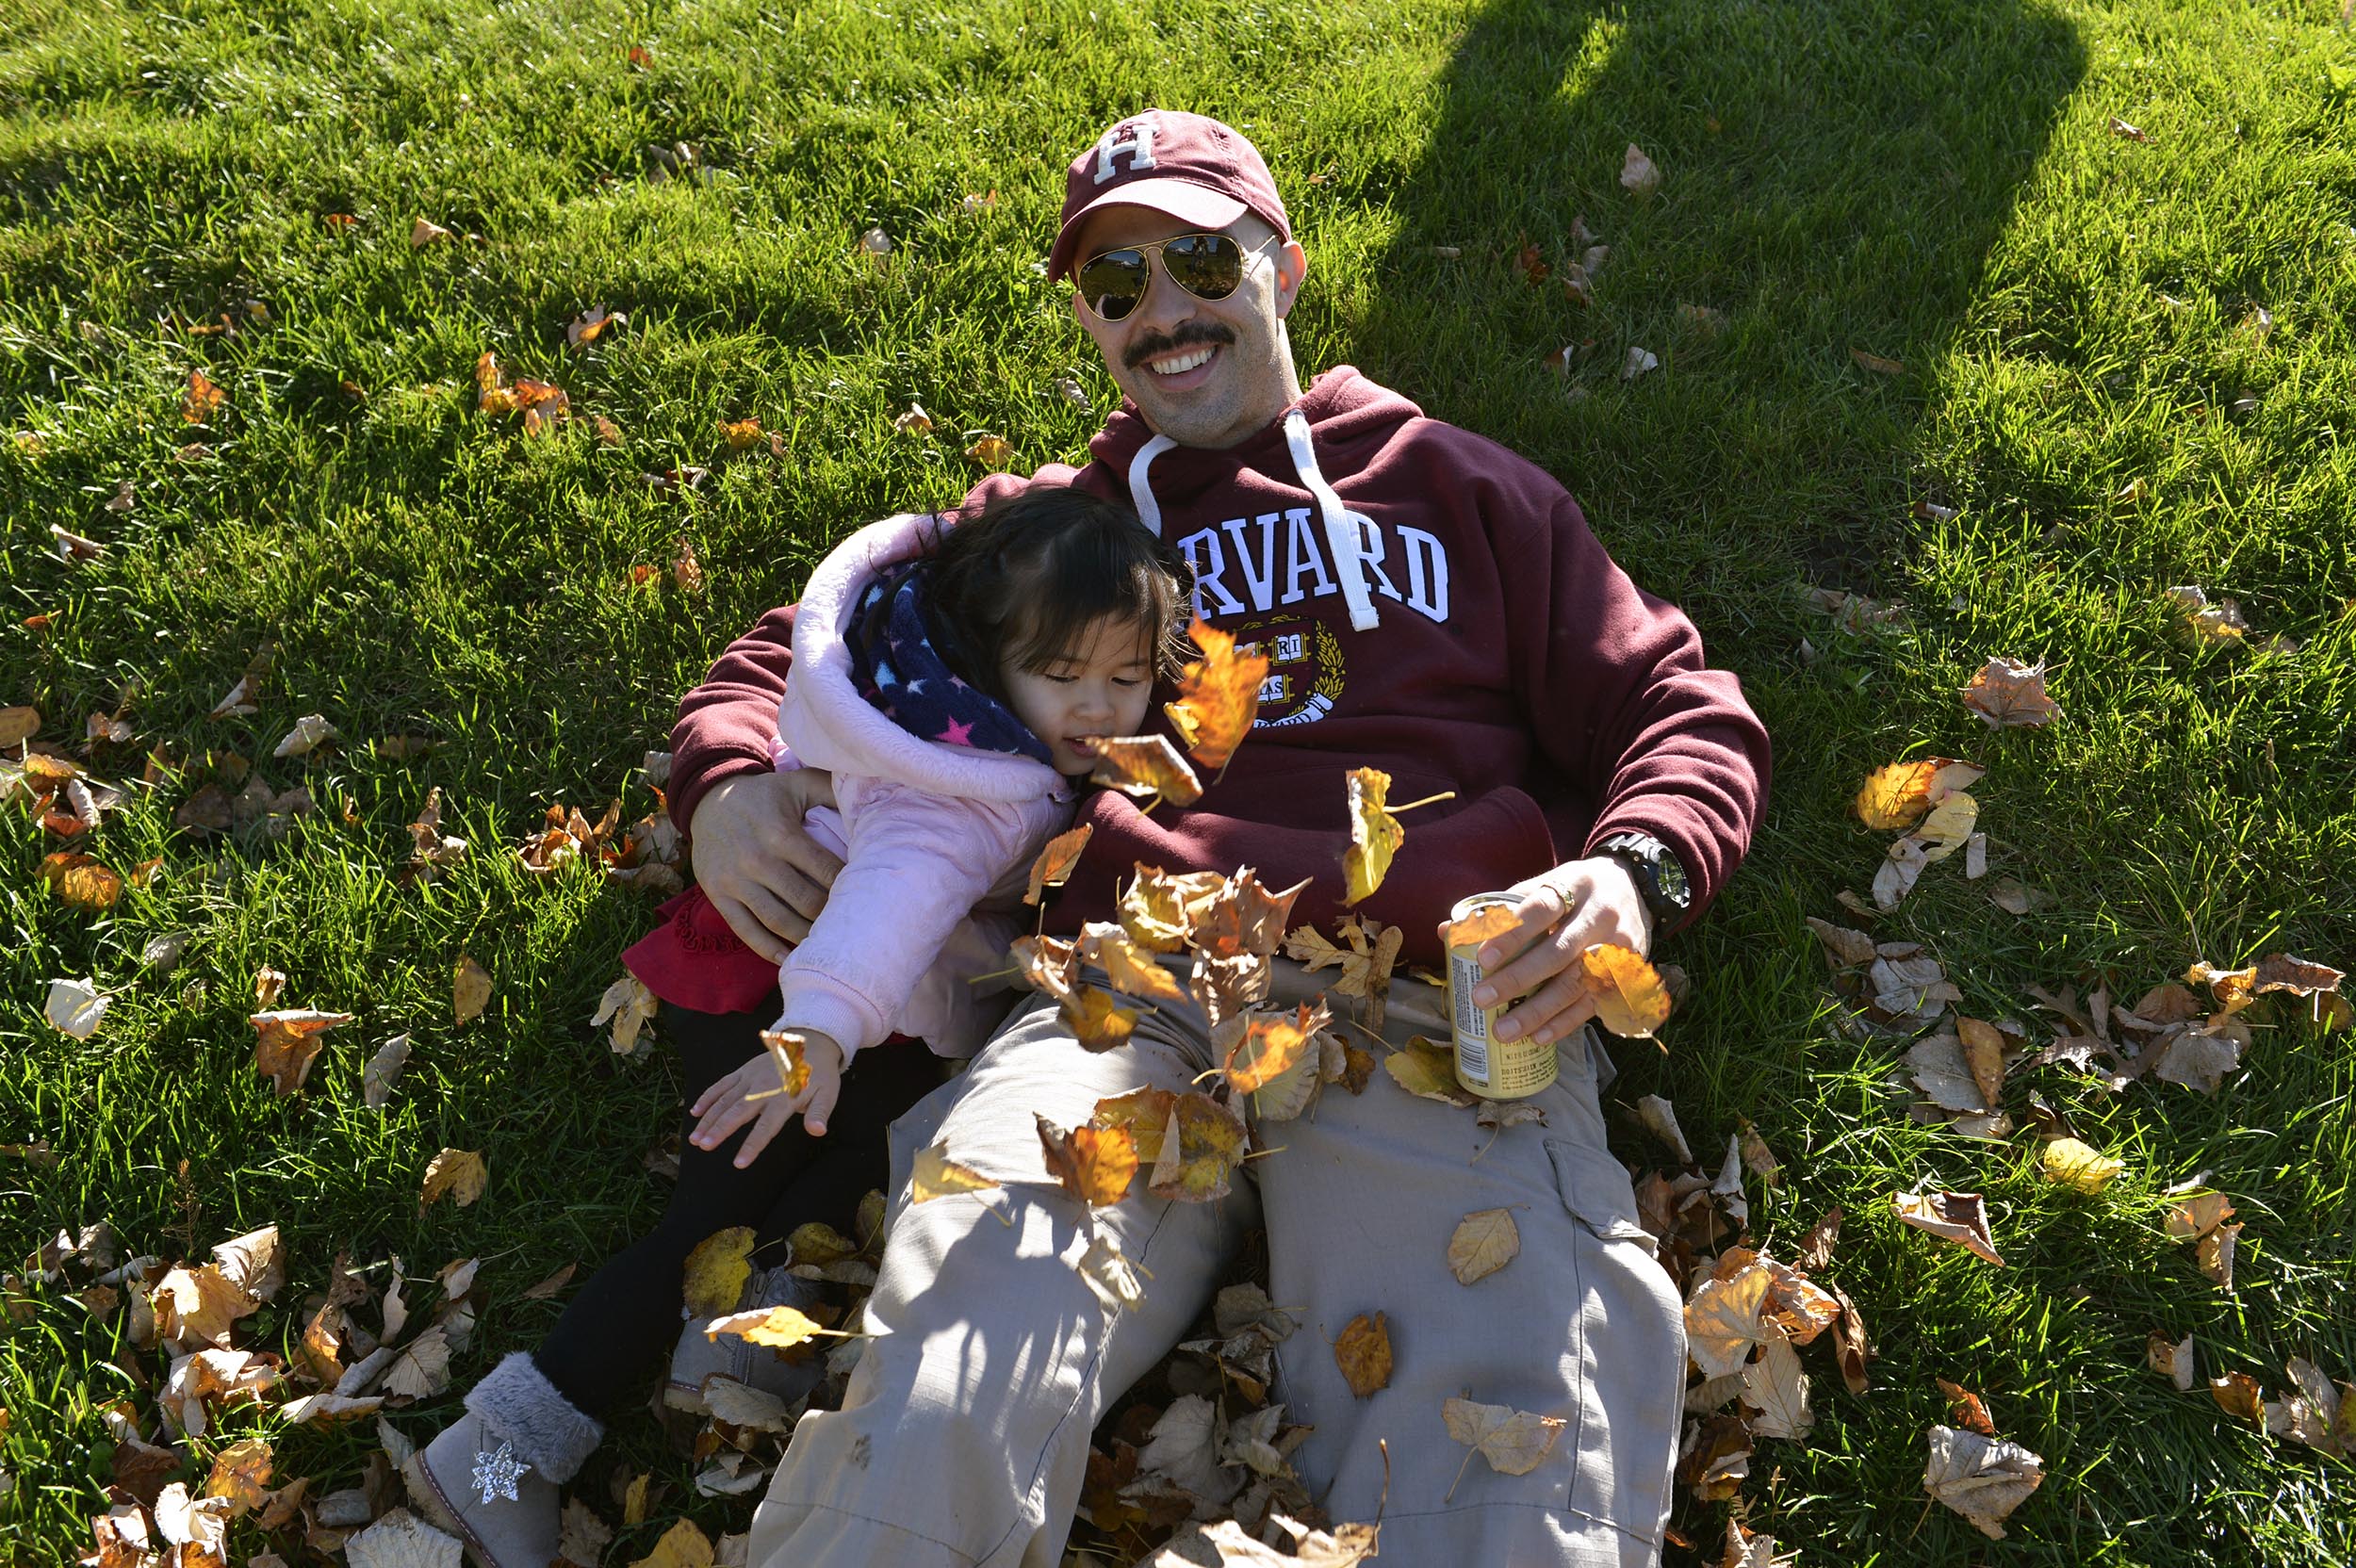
1543,959
1557,1008
784,881
748,926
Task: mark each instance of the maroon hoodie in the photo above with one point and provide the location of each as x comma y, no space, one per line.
1435,606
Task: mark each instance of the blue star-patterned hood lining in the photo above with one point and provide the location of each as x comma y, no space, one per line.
899,670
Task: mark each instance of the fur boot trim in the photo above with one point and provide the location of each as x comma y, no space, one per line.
524,1408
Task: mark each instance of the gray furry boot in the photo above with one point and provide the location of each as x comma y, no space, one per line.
492,1479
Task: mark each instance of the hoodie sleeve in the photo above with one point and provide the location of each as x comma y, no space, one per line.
1622,703
726,726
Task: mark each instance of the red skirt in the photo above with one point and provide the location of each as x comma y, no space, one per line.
692,960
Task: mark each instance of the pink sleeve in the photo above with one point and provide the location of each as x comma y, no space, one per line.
918,863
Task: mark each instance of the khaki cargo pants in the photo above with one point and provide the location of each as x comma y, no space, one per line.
964,1436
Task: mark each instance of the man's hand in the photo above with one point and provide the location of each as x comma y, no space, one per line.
756,862
753,1093
1563,914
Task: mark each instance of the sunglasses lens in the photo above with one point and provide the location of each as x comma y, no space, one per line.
1113,282
1207,266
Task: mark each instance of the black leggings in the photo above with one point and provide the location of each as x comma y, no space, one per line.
631,1308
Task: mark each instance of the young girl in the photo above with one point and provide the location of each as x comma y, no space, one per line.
946,678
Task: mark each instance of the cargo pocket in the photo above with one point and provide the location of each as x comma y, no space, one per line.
1597,1191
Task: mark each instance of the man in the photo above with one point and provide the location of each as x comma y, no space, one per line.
1435,606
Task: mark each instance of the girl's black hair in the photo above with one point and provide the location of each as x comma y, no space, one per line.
1022,583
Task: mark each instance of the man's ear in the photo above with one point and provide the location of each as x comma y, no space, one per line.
1292,270
1075,311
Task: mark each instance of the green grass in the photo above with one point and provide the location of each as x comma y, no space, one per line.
1930,180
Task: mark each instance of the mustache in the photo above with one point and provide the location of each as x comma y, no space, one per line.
1192,334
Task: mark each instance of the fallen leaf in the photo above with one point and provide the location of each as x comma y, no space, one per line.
80,882
457,1173
1363,1353
582,1536
1094,1165
1375,835
2214,1252
939,1176
592,324
1514,1442
242,1472
1630,999
2008,692
1219,695
2172,1361
19,724
1775,1387
1967,1408
2077,1164
1639,362
1876,364
2125,132
1898,794
1146,767
421,1371
203,400
1982,1479
470,990
1483,1242
74,1007
2237,1394
1725,1318
683,1546
310,733
1056,861
630,1006
2191,1217
426,231
716,1270
1639,174
993,453
288,1043
1957,1217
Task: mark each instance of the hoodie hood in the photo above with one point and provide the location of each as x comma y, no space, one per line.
1341,411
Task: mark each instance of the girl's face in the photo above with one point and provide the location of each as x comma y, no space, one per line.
1099,687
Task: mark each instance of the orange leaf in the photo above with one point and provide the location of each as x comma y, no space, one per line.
1896,795
1053,868
2008,692
1270,1047
742,435
203,399
288,1043
1490,919
1099,1021
1219,695
1093,1163
1146,767
81,881
1375,835
1630,1001
994,452
1970,1413
785,1049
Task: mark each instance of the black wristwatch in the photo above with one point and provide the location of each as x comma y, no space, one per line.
1660,876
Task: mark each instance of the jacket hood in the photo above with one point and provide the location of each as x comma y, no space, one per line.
1340,408
828,725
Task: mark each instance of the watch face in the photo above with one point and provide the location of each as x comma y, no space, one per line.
1671,877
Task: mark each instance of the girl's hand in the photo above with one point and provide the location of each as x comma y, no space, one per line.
732,1102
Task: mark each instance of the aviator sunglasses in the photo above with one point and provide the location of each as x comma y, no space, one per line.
1207,266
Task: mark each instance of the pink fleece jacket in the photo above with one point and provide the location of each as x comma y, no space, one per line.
927,832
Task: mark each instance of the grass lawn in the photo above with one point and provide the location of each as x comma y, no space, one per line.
2087,385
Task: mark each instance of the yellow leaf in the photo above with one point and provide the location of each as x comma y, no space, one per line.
1146,767
742,435
994,452
778,1327
1630,1001
1486,1241
470,990
1200,1144
1363,1351
1426,1070
785,1050
1129,970
1055,862
242,1473
682,1546
716,1270
1093,1163
457,1173
814,1241
1894,796
1375,835
1098,1021
1140,1113
1219,695
2078,1164
80,881
938,1176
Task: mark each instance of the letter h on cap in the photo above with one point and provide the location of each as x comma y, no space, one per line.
1138,145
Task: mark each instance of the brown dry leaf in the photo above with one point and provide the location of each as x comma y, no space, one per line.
203,400
1484,1241
2214,1252
421,1371
1967,1408
1984,1054
1048,965
1129,970
1982,1479
687,571
1429,1071
914,422
289,1043
785,1050
1270,1046
1876,364
2125,132
1366,964
426,231
2171,1360
592,324
1219,695
1957,1217
939,1176
1639,174
1200,1144
630,1006
716,1270
1727,1318
1630,1001
1775,1388
2237,1394
1514,1442
2191,1217
1094,1165
1146,767
1375,835
1897,795
546,1289
1363,1353
457,1173
2007,692
1099,1021
470,990
79,881
198,1306
242,1473
1055,862
19,724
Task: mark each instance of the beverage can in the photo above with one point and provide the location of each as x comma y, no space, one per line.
1489,1067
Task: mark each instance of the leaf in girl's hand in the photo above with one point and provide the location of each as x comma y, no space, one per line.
1099,1021
1146,767
1219,695
1375,835
1630,1001
785,1049
1093,1163
1054,864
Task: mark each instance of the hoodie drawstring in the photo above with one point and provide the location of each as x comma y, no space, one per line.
1140,493
1341,528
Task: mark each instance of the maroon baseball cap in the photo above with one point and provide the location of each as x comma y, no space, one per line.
1186,164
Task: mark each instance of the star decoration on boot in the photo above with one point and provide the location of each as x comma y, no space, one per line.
496,1475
